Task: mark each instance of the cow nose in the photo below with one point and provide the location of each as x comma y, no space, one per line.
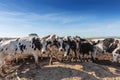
61,49
43,52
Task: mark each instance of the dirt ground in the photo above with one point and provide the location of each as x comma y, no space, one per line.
103,69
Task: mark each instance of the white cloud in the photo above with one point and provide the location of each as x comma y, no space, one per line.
29,17
20,24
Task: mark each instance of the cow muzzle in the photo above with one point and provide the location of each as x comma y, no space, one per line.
43,52
61,49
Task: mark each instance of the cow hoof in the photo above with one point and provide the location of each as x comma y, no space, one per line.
51,63
38,66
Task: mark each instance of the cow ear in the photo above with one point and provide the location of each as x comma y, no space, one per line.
17,39
46,37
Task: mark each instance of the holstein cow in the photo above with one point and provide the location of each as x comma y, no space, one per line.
6,50
63,45
105,46
85,49
51,45
80,47
70,45
76,45
21,48
116,53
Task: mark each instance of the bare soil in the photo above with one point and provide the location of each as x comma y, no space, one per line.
103,69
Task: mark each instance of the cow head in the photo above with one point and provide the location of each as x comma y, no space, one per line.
99,47
63,45
48,42
116,55
77,40
44,45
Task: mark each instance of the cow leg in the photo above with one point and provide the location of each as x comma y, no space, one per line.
69,56
93,55
51,58
36,60
80,57
62,58
72,57
3,67
75,55
41,56
84,57
87,57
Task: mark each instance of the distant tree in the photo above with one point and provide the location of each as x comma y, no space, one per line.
33,34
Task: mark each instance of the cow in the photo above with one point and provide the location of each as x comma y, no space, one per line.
85,49
51,46
64,45
116,53
58,44
74,45
105,46
21,48
4,55
70,45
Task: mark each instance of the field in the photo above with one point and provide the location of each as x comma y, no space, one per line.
103,69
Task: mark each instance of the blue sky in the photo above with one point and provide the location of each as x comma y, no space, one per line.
86,18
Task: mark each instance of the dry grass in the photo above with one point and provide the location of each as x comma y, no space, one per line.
103,70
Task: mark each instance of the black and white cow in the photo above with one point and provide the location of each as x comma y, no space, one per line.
62,46
73,45
85,49
105,46
116,53
70,45
21,48
51,45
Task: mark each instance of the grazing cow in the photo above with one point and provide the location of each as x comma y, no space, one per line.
63,45
85,48
72,45
5,46
69,44
116,53
75,45
21,48
105,46
51,44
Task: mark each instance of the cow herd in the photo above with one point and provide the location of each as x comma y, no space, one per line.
70,47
